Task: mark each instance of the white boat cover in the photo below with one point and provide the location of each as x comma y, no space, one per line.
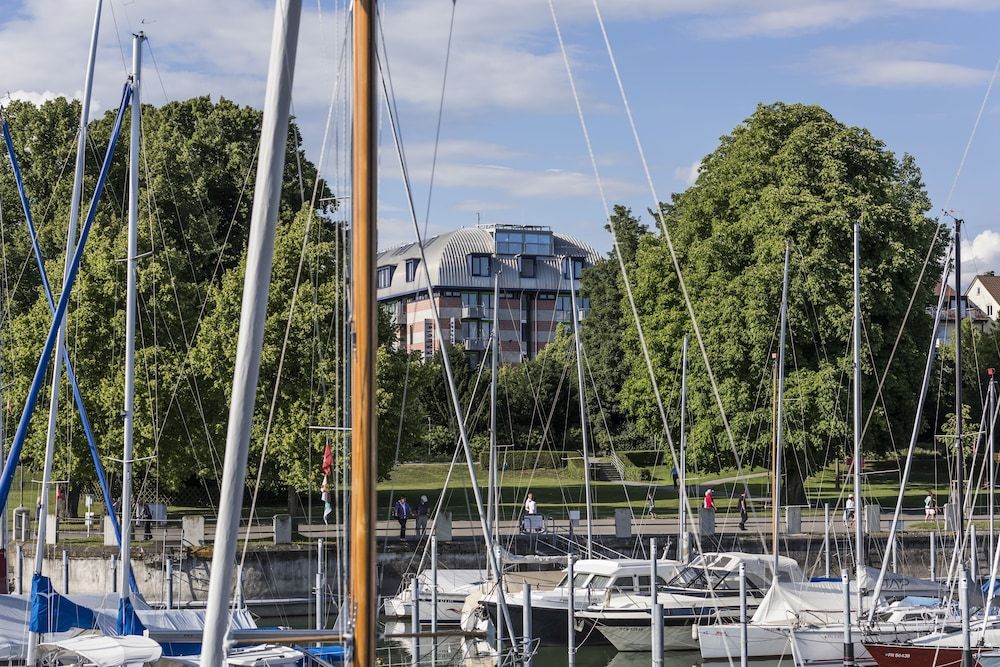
453,580
101,651
812,603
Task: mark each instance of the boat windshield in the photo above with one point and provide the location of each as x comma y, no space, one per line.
700,578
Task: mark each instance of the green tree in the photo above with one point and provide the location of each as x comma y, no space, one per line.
790,171
604,286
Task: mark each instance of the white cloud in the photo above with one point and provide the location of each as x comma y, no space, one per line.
982,253
888,64
688,174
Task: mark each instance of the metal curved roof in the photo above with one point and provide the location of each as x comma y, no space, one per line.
447,260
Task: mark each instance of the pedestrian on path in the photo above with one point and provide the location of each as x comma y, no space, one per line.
849,508
744,514
651,503
530,506
710,500
401,511
930,506
423,511
675,475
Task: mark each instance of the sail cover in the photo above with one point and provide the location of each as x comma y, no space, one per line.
51,612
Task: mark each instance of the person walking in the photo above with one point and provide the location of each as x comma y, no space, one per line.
530,506
651,504
146,518
401,511
849,508
744,514
710,499
423,511
675,475
930,506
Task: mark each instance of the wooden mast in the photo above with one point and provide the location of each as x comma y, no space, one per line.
363,428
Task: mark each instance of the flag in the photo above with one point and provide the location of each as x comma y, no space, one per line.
327,460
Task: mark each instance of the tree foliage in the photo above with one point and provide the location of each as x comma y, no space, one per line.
789,172
196,193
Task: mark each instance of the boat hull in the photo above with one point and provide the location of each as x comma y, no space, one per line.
550,625
906,655
722,642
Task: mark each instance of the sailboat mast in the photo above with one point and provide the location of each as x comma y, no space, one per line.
859,544
493,509
363,245
779,431
50,434
682,473
583,408
253,311
959,454
131,302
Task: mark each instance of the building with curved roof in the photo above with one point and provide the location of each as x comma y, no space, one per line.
535,267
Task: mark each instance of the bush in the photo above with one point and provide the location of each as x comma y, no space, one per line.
638,463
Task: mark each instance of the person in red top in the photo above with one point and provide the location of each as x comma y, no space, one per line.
709,500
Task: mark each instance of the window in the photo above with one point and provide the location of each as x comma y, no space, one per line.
479,265
989,310
572,267
564,303
479,330
521,242
411,269
527,267
384,276
473,299
599,582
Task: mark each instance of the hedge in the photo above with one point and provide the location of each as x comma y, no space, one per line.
638,462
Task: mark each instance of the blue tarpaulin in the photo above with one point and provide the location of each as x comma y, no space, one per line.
128,620
51,612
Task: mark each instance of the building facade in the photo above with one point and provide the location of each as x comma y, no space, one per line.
970,311
984,293
535,267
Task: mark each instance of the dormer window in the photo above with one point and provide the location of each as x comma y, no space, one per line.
411,269
479,265
527,266
383,276
572,268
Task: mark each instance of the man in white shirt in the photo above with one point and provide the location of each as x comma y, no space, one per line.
849,510
530,506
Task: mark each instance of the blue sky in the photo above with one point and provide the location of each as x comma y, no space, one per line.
914,72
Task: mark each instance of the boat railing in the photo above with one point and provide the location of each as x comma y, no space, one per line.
565,544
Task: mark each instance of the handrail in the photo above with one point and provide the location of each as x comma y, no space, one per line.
617,462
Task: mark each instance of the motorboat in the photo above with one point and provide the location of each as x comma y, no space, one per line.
707,590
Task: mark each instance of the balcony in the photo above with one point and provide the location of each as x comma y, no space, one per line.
477,313
476,344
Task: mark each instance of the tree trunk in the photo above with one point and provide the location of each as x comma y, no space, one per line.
293,501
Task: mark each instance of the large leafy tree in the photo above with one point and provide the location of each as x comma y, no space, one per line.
603,284
198,166
789,172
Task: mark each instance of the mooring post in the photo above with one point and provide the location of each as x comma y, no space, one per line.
744,646
434,598
963,601
933,557
415,620
656,624
170,583
652,571
320,583
848,642
526,623
65,571
20,570
500,616
571,614
826,538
